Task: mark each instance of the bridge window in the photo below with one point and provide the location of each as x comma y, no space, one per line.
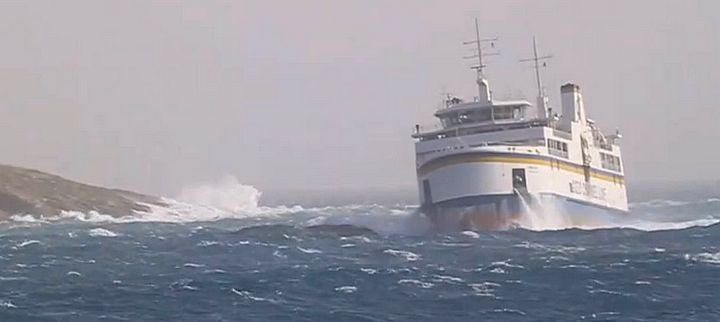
610,162
509,113
557,148
484,115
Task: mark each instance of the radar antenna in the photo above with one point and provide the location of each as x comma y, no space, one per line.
542,98
483,88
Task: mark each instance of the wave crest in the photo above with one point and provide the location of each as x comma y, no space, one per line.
227,194
229,199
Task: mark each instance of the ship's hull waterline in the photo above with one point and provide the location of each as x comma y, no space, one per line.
547,211
486,190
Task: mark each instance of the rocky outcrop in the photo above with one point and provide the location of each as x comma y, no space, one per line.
26,191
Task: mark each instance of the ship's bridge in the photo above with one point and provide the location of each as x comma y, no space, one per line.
461,113
461,118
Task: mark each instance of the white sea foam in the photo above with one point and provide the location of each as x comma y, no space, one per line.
279,254
662,203
229,199
208,243
369,271
309,250
183,284
498,270
7,304
542,214
28,243
249,296
346,289
380,219
659,203
484,289
607,292
417,283
646,225
204,202
471,234
102,232
551,248
408,256
447,279
506,264
26,218
193,265
710,258
227,194
510,311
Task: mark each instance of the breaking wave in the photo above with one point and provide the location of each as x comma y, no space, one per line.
229,199
227,195
549,214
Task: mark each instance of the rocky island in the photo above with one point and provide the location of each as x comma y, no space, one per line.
26,191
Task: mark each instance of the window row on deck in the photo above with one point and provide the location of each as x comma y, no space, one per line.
610,162
484,115
557,148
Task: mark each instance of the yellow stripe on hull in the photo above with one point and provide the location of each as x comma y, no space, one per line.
519,159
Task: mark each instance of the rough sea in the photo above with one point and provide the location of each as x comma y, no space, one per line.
219,256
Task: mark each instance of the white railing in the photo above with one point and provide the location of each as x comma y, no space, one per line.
426,128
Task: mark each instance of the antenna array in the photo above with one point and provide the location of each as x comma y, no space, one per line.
537,59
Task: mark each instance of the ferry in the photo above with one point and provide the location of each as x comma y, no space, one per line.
494,164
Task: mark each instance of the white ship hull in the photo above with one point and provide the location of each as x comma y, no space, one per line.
494,187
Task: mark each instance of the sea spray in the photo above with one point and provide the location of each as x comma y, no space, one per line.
540,213
227,194
229,199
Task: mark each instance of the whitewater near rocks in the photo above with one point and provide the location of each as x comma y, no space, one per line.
229,199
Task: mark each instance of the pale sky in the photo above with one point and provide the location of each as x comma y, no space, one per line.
157,95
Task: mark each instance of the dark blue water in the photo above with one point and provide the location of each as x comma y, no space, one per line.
360,263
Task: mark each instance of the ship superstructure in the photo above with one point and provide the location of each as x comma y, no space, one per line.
488,159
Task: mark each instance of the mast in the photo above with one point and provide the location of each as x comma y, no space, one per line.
537,69
484,95
480,65
542,100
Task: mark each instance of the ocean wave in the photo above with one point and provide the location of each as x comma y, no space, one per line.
230,200
484,288
346,289
101,232
447,279
7,304
250,296
408,256
562,249
417,283
660,203
28,243
710,258
309,250
648,225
